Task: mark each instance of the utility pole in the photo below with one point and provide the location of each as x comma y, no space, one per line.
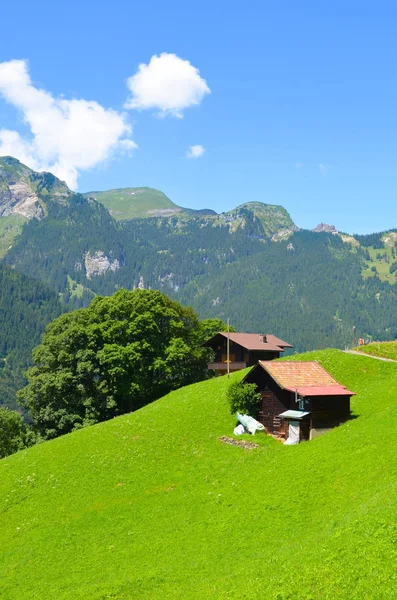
353,336
228,348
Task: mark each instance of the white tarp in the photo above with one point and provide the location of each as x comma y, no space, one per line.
239,430
293,434
250,423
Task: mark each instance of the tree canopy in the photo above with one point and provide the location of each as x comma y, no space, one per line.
115,356
13,433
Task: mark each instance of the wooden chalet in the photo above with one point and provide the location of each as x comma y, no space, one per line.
300,400
245,349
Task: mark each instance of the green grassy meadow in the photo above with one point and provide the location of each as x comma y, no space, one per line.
130,203
152,505
380,349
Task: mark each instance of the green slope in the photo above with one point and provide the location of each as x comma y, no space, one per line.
152,505
380,349
130,203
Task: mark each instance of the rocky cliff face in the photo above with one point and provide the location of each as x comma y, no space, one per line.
23,191
99,263
17,191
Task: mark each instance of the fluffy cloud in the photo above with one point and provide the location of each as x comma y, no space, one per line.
168,84
67,135
195,151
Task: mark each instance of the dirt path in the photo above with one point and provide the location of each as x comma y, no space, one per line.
370,356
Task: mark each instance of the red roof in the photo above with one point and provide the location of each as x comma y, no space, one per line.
254,341
307,378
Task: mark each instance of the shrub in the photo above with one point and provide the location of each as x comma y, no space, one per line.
243,398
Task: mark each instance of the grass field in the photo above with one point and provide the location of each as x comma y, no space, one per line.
152,505
382,265
130,203
381,349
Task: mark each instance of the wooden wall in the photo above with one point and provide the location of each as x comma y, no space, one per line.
274,400
324,410
328,410
240,354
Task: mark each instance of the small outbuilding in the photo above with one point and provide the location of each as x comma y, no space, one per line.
299,400
245,349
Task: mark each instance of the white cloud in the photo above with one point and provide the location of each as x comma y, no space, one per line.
299,165
195,151
324,169
67,136
168,84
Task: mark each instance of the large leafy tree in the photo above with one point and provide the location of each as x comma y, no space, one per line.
115,356
210,327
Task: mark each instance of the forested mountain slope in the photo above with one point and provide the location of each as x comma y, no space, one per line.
309,290
152,505
26,306
251,264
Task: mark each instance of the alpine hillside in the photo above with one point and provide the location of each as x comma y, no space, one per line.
154,505
251,264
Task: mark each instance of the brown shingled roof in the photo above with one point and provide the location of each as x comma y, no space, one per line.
254,341
308,378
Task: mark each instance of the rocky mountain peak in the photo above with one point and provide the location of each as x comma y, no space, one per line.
324,227
23,191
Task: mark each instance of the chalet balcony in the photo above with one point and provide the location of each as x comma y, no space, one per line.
222,366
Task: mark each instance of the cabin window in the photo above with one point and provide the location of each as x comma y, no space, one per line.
303,404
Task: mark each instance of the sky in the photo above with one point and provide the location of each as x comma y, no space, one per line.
214,103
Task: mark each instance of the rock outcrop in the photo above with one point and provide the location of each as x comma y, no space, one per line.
22,190
324,227
99,263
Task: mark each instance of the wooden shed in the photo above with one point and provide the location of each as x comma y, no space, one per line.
299,394
245,349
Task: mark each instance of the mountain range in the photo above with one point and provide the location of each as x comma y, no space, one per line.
252,264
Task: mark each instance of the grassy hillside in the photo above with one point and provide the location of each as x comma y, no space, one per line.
152,505
130,203
380,349
380,259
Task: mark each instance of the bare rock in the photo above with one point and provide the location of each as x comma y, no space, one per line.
99,263
324,227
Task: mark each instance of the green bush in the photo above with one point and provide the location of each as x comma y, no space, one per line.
243,398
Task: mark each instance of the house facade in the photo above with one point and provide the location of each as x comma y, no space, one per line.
245,350
299,397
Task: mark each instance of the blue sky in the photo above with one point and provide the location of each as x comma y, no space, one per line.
291,103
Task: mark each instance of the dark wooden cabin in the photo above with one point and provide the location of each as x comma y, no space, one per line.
245,349
300,393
